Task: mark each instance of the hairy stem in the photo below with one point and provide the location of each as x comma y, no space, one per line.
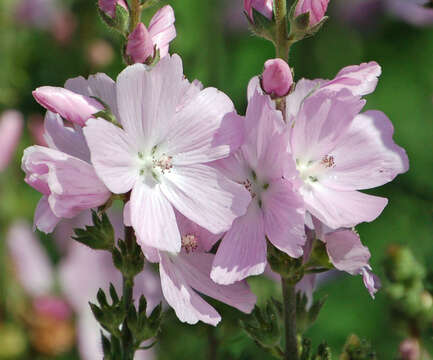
289,313
281,38
135,14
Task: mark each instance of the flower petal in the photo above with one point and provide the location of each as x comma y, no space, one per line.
346,251
187,304
11,125
283,211
242,251
153,218
205,196
162,29
342,208
367,156
196,268
112,155
44,218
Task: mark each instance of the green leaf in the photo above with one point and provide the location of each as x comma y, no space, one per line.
99,236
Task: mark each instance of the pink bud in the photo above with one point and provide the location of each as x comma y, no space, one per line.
162,29
316,8
52,307
409,349
277,77
140,44
68,104
11,123
109,6
265,7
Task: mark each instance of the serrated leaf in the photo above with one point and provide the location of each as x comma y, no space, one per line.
99,236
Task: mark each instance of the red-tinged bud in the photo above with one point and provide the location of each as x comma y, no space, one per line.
316,9
277,77
109,6
140,45
265,7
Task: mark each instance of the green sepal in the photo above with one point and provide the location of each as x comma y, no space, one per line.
145,4
261,25
129,262
324,352
120,22
283,264
356,349
306,317
99,236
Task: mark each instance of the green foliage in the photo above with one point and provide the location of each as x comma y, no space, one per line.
99,236
128,258
305,317
356,349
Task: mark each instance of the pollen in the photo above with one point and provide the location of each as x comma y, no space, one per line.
164,163
328,161
189,242
249,187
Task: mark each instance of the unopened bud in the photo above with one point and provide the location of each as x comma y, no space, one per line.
316,9
409,349
265,7
277,77
109,6
140,45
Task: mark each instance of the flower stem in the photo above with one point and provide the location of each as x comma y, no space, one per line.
135,14
128,349
289,313
281,38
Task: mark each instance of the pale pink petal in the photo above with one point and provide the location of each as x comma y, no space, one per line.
153,218
114,157
371,281
32,264
65,139
342,208
147,100
187,304
99,85
253,87
205,238
367,156
147,283
359,79
205,196
89,336
283,211
190,92
234,167
11,124
204,129
162,29
242,252
323,119
44,218
346,251
60,172
70,105
195,269
307,285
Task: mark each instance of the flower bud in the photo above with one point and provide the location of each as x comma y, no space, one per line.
277,77
68,104
140,45
409,349
109,6
316,9
265,7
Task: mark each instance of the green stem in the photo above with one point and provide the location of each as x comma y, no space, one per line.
128,348
289,313
135,14
282,44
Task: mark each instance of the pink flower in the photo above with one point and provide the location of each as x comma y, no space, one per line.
54,171
162,151
109,6
70,105
161,32
185,273
52,306
277,77
265,7
11,124
316,9
339,151
275,210
410,349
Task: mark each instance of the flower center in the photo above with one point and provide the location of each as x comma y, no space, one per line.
154,165
189,242
311,171
163,162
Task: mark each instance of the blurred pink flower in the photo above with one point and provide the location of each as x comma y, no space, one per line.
37,13
275,210
412,11
63,26
162,151
277,77
142,41
11,124
410,349
52,306
53,171
316,9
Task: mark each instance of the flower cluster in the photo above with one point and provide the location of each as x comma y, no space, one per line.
191,171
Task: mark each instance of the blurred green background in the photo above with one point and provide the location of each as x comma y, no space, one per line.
217,49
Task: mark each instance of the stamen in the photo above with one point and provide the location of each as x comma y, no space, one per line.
328,161
249,187
164,163
189,242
